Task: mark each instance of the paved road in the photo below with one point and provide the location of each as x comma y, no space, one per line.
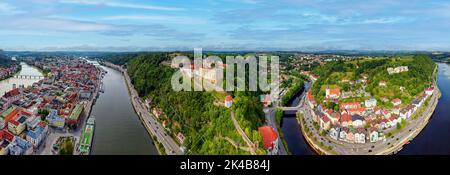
241,132
270,119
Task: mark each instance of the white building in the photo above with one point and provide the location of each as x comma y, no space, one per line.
370,103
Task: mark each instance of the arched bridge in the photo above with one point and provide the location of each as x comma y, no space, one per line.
29,76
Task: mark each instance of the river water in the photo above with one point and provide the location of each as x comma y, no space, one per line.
7,85
435,137
291,128
118,130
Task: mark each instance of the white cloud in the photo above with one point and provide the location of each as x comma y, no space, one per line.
120,4
54,24
157,18
7,9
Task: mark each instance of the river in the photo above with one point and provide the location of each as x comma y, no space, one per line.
118,130
435,137
7,85
291,128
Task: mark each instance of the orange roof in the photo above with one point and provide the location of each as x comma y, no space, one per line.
310,96
269,136
12,115
229,98
349,105
361,109
335,91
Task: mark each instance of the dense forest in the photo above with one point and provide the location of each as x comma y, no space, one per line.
118,58
405,85
206,125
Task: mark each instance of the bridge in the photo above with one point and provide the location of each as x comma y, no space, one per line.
291,110
29,76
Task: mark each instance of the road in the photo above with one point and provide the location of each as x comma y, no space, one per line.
149,121
241,132
270,119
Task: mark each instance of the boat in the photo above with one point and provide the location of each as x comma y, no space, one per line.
102,88
87,137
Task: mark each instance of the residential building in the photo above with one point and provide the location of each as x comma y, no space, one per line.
20,147
373,134
334,133
360,135
17,125
55,120
396,102
37,135
332,93
370,103
270,138
228,101
350,105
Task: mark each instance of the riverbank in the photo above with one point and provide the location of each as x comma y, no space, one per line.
12,74
163,142
396,146
322,144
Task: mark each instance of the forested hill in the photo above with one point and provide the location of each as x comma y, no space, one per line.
406,85
4,60
199,116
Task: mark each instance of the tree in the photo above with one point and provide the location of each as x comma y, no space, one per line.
66,147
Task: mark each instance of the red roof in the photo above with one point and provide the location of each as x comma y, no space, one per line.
12,93
269,136
361,109
396,100
350,105
14,122
5,134
325,119
310,96
335,91
228,98
12,115
345,118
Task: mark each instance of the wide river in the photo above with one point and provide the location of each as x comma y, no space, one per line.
7,85
118,130
434,138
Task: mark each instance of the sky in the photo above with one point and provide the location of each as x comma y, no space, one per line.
150,25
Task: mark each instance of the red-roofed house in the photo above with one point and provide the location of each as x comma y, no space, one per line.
333,93
270,138
324,122
10,97
350,105
396,102
311,100
429,91
228,101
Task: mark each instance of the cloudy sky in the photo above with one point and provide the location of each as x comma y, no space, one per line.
134,25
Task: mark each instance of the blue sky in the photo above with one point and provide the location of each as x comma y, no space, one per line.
304,25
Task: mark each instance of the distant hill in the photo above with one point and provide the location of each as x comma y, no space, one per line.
4,60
